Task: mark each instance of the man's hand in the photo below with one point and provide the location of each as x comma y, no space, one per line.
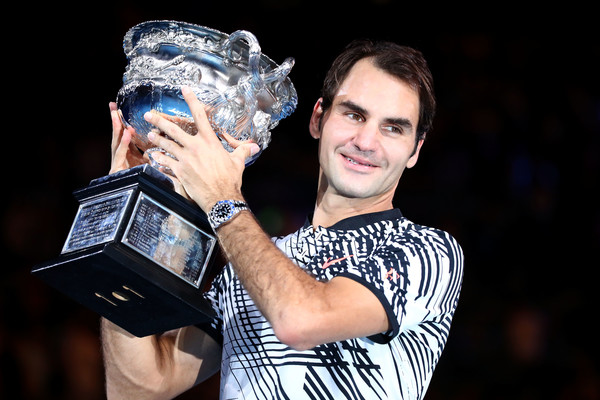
124,154
206,170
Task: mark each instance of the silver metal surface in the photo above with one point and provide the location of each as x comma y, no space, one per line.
246,93
163,236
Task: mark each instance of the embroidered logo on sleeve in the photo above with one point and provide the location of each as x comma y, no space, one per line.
392,274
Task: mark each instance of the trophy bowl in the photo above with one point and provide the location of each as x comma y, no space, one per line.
245,93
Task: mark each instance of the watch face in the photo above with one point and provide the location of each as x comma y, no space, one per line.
223,211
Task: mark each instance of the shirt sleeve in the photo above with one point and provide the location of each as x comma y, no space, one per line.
416,273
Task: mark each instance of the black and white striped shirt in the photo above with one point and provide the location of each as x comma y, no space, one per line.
415,271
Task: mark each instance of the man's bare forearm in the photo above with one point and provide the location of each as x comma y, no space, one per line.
158,366
279,288
130,363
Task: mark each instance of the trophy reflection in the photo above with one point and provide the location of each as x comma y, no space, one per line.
138,253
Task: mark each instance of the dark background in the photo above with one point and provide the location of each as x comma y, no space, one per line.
510,169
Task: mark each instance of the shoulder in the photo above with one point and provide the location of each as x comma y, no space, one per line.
420,250
436,251
426,236
396,230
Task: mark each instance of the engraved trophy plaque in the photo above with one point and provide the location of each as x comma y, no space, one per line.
138,253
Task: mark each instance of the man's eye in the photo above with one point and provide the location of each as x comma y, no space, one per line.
393,129
355,116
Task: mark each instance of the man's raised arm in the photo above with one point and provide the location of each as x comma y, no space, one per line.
157,366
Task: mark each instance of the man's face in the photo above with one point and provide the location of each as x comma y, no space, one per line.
367,137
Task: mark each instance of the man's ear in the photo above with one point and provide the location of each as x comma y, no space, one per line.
315,120
412,161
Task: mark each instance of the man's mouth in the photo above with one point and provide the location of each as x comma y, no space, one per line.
358,161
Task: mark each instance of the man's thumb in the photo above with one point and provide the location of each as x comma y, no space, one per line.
247,150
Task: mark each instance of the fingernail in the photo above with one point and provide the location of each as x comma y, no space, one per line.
151,135
254,148
148,116
185,90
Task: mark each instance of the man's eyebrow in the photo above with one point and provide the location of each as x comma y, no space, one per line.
352,106
403,122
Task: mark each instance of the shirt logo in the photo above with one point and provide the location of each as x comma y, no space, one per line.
330,262
392,275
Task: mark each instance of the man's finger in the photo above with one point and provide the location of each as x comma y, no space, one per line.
233,142
164,143
198,112
164,161
119,156
117,127
164,125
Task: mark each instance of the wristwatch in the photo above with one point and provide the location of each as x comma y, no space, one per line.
224,211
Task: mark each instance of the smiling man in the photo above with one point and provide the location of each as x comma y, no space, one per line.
356,304
367,139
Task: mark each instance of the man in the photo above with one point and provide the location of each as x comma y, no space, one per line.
355,304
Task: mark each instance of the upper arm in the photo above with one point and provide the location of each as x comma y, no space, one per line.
340,309
355,309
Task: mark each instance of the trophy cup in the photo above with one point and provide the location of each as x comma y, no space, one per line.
138,253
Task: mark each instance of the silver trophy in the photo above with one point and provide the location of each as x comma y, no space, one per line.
246,94
138,253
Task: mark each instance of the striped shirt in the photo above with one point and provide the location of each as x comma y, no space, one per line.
416,273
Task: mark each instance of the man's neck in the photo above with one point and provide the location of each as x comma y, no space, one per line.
330,208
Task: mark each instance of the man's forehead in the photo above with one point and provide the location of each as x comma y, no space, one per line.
372,89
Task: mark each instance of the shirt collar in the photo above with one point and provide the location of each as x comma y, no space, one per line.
358,221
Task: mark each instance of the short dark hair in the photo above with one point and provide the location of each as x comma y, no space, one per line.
403,62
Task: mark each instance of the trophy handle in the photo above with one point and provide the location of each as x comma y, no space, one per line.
254,53
279,73
248,86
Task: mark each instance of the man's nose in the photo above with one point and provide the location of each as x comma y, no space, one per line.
367,137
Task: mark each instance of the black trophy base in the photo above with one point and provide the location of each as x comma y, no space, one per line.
109,282
137,254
